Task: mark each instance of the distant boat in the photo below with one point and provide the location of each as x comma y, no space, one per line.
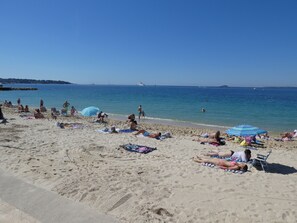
141,84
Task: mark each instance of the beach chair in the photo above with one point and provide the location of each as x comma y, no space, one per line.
262,160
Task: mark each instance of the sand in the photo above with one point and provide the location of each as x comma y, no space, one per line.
165,185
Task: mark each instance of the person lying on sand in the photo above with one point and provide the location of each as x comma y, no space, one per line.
209,135
212,138
147,134
289,135
242,156
224,164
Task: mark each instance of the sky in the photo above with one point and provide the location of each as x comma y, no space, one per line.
158,42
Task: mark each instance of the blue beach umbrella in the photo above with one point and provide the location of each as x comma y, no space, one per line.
90,111
245,130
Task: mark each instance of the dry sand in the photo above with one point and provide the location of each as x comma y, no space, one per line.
162,186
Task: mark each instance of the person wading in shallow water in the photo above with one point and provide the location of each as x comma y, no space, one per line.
140,112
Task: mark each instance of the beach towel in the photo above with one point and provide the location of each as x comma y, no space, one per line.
137,148
107,130
226,170
126,130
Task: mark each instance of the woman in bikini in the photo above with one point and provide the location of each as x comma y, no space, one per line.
224,164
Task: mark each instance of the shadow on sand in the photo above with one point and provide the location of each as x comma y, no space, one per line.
278,168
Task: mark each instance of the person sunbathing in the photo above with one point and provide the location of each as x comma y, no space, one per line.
289,135
147,134
27,108
212,138
224,164
242,156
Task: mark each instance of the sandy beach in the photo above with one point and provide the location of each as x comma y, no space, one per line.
165,185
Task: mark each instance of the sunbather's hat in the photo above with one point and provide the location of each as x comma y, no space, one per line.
295,130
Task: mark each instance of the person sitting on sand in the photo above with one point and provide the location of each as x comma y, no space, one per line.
21,108
73,111
147,134
1,113
42,109
131,117
224,164
101,116
37,114
26,108
53,115
133,125
241,156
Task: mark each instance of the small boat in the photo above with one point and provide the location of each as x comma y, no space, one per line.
141,84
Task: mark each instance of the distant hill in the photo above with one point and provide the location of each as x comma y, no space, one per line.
30,81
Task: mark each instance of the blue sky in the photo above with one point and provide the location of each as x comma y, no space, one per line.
163,42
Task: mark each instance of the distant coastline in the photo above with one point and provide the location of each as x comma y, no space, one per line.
30,81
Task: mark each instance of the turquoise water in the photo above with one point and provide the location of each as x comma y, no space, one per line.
273,109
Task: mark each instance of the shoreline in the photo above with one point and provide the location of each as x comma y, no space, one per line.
190,126
189,113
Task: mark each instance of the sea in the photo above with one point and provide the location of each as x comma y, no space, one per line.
270,108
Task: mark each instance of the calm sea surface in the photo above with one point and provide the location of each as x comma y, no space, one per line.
274,109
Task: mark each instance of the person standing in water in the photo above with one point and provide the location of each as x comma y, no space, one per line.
139,111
